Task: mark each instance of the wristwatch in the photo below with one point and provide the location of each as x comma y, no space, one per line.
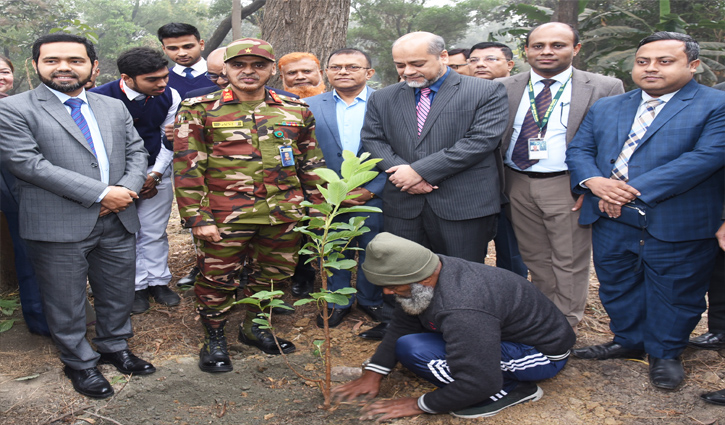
156,177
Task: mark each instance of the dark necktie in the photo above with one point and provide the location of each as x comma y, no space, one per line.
529,130
75,113
188,72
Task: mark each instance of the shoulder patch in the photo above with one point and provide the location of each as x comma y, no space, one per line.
200,99
292,100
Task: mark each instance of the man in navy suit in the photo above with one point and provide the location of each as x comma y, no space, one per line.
339,116
650,163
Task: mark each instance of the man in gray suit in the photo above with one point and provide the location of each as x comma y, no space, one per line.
79,163
544,212
437,133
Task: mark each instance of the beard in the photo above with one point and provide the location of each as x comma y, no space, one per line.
65,87
419,299
426,82
307,91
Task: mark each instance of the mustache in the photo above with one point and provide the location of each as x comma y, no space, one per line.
64,74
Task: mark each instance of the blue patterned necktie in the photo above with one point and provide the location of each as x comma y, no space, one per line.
188,72
75,113
639,129
529,129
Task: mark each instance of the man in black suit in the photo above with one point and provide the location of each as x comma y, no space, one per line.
436,133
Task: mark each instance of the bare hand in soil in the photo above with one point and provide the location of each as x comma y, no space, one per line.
390,409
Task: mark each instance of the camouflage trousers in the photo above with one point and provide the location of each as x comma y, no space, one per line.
271,249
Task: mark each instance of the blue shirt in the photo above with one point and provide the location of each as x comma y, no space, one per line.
98,145
433,88
350,119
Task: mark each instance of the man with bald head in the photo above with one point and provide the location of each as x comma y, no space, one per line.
547,105
437,134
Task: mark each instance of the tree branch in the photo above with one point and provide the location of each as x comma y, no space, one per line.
226,24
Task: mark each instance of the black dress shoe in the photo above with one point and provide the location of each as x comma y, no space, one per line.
140,302
190,278
164,295
610,350
89,382
376,333
708,341
335,316
666,374
379,313
127,363
264,340
716,397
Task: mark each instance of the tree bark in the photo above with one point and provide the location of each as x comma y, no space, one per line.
236,19
226,24
318,27
567,11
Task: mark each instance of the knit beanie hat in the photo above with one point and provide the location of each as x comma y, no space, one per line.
392,260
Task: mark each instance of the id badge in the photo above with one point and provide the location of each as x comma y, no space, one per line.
285,152
537,148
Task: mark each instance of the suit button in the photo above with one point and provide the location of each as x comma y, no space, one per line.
612,161
94,165
339,154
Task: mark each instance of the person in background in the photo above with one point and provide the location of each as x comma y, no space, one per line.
458,61
301,74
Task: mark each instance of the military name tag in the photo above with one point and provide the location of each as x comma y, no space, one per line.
222,124
285,152
537,148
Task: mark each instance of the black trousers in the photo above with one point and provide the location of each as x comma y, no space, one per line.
716,296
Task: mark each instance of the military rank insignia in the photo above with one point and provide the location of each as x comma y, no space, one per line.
227,95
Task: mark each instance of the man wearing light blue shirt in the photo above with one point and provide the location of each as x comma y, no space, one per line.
339,118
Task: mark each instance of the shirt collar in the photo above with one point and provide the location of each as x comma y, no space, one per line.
664,98
63,97
561,77
437,85
131,94
362,96
199,67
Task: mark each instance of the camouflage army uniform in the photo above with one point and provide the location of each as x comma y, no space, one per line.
228,172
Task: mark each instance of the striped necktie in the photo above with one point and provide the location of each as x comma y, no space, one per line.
529,129
75,113
423,108
639,128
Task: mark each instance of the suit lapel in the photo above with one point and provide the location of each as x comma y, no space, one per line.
678,102
329,117
448,89
405,103
515,89
581,93
52,105
101,117
627,114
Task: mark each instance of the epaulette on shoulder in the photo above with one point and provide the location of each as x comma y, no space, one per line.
282,98
201,99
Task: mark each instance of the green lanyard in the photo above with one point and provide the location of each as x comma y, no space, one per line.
542,124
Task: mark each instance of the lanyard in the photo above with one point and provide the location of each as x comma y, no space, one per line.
545,120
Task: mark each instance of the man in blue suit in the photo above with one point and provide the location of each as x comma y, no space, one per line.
339,116
650,163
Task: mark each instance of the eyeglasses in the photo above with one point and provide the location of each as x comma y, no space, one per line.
349,68
456,66
214,77
491,59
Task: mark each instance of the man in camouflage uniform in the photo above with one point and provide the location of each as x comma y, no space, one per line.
245,157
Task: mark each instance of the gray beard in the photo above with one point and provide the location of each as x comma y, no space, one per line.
419,300
426,82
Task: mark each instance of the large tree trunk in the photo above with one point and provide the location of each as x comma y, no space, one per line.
226,24
567,11
318,27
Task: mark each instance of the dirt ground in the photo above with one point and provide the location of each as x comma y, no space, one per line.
263,390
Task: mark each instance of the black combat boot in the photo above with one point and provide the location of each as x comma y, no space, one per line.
251,334
214,356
